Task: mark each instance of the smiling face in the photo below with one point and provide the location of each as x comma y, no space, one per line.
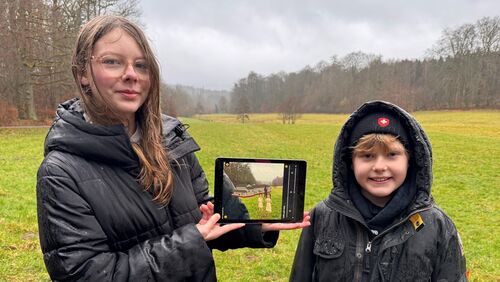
380,169
119,73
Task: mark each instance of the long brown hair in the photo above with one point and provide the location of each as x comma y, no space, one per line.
155,174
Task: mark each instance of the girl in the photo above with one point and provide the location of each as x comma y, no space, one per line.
120,193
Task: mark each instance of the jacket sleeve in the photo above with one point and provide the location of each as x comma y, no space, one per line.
250,235
303,263
199,180
75,247
451,260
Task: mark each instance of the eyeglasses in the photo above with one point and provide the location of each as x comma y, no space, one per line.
116,65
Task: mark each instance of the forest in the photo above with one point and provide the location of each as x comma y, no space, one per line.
460,71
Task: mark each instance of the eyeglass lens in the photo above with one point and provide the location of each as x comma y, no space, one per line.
116,65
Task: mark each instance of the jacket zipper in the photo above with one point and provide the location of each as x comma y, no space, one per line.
358,273
368,249
359,255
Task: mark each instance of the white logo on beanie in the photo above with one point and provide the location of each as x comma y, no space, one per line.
383,121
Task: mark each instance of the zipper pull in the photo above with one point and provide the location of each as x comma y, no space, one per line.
368,247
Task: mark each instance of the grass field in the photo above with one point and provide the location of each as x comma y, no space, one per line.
252,204
466,149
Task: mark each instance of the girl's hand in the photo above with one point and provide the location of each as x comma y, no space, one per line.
208,226
306,221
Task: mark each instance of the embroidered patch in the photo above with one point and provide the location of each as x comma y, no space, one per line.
417,221
383,121
328,246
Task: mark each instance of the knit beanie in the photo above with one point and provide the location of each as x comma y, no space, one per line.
379,122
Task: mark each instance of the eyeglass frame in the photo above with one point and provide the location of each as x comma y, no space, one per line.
141,72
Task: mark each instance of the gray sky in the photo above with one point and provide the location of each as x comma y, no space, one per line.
213,43
266,172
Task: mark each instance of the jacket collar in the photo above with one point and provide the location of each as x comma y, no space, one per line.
176,138
108,143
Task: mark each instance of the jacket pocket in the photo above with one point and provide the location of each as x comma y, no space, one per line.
330,258
329,246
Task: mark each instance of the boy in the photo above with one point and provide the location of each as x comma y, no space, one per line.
380,223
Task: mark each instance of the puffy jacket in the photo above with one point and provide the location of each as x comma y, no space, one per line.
422,244
97,223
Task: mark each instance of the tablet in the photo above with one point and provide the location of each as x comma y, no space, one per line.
259,190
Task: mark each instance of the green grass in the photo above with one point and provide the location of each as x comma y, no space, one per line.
466,148
21,152
252,204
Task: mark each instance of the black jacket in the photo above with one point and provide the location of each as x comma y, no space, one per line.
96,222
339,246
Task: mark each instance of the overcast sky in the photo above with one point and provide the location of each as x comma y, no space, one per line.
214,43
266,172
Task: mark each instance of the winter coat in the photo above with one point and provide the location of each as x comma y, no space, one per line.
97,223
422,244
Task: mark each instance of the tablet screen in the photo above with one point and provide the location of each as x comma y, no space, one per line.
259,190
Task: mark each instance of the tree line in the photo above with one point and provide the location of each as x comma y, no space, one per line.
461,71
182,100
37,39
240,174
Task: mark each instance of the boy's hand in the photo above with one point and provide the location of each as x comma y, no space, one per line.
306,221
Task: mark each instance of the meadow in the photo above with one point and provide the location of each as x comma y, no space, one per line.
257,205
466,150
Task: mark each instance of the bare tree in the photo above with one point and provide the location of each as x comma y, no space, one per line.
357,61
223,106
488,32
456,42
37,38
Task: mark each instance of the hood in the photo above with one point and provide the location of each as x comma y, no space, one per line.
109,144
420,154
